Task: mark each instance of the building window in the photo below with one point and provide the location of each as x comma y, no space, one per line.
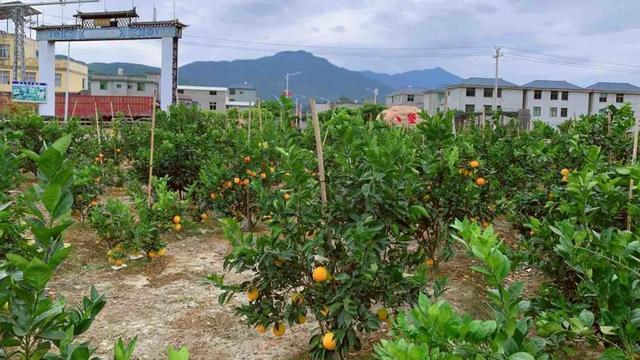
213,93
563,112
603,97
4,51
119,86
554,95
488,93
536,111
470,108
619,98
471,92
84,83
104,85
537,94
30,76
553,112
410,98
140,86
5,77
58,79
232,91
180,91
499,108
488,109
195,103
212,106
499,93
129,86
565,95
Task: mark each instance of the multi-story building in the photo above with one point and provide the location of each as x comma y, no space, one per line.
204,97
603,94
475,95
434,100
554,101
77,75
407,96
121,84
242,96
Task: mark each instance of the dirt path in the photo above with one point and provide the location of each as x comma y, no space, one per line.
167,303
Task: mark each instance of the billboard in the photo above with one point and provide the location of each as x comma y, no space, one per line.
30,92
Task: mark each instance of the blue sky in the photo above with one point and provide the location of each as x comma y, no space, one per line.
397,35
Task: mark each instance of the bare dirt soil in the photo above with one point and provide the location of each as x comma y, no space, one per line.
167,302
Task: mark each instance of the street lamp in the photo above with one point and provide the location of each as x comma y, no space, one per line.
287,79
375,94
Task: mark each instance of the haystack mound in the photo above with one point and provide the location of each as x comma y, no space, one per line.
401,115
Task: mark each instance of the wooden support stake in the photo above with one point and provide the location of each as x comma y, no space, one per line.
113,116
260,116
634,158
249,127
151,148
98,126
73,111
130,112
316,130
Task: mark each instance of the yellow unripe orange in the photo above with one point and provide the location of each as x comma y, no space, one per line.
279,329
565,179
177,219
177,227
152,254
297,298
236,180
263,176
565,172
428,262
212,196
162,252
253,294
329,341
474,164
301,319
261,329
382,314
320,274
204,216
286,197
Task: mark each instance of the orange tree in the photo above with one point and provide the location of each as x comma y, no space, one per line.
345,264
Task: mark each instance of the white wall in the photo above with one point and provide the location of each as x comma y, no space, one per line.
511,99
433,102
577,104
596,105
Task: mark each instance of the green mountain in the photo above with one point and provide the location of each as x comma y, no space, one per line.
319,77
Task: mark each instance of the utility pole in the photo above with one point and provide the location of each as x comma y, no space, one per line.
375,94
286,77
497,56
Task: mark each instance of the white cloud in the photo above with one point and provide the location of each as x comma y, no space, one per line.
602,30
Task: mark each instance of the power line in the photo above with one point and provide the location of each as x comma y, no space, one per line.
299,46
582,60
576,65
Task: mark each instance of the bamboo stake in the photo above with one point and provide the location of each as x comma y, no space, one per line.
260,116
130,112
113,116
634,157
98,126
316,130
249,126
239,117
73,111
151,149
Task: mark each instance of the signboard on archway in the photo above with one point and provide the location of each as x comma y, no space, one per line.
110,25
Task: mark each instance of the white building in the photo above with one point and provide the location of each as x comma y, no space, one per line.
407,96
603,94
554,101
205,97
434,101
475,95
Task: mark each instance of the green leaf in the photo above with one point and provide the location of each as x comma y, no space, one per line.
37,274
62,144
51,197
521,356
182,354
587,318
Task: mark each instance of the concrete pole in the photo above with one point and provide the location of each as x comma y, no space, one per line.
166,74
66,83
286,93
495,87
46,64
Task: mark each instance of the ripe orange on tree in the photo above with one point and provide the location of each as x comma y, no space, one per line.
279,329
481,181
236,180
176,219
246,159
162,252
320,274
286,196
261,329
565,172
253,294
152,254
474,164
204,216
329,341
246,182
